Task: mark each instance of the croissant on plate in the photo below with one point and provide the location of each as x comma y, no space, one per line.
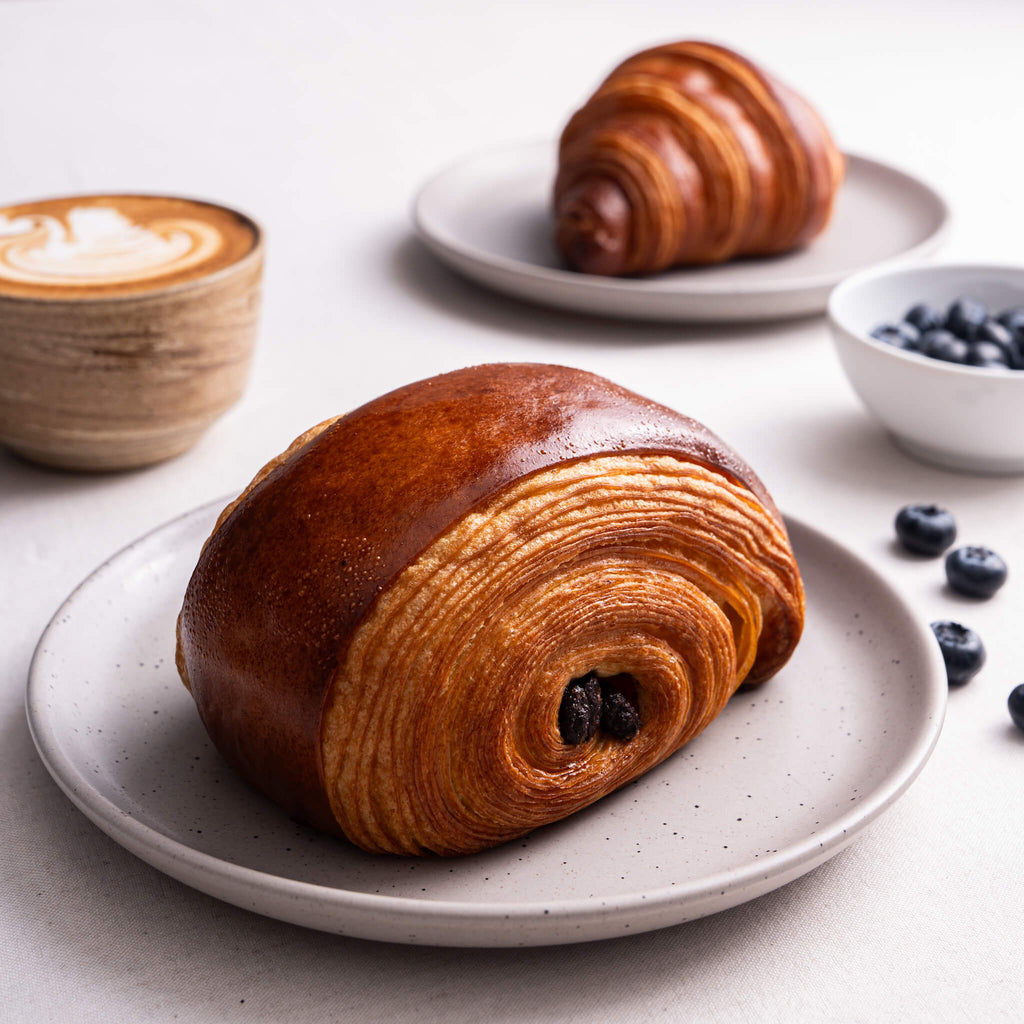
690,154
480,603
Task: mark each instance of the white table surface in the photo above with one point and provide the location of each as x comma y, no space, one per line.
322,119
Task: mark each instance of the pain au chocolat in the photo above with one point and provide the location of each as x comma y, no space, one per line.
690,154
481,602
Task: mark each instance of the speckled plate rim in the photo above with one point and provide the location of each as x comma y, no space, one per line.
673,296
474,924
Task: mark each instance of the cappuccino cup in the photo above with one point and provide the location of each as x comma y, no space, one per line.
127,325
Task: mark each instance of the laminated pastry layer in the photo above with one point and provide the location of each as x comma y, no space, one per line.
301,566
441,727
688,154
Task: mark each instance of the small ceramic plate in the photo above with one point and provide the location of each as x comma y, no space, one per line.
488,217
780,782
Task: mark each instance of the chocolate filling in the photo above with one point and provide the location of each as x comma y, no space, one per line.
590,703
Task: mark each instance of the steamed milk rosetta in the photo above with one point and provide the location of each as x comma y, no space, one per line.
109,245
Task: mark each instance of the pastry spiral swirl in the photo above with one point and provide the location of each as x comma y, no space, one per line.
690,154
381,631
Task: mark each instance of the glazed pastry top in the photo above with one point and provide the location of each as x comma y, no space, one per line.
383,481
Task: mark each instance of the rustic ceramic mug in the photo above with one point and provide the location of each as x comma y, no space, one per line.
127,325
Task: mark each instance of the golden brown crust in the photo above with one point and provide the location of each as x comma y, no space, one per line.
658,573
300,563
688,153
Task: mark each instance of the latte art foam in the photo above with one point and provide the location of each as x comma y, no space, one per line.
100,243
115,244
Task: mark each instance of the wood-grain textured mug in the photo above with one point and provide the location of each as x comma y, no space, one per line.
127,325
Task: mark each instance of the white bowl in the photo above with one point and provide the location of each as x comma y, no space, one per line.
959,417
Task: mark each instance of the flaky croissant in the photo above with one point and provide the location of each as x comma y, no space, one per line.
480,603
689,154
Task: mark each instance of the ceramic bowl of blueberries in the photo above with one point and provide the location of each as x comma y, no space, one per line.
936,354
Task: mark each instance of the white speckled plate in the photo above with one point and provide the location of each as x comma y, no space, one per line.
782,781
488,217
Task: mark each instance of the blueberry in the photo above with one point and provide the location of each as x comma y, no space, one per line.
1017,352
925,529
975,571
964,317
925,317
1015,702
902,335
944,345
1012,319
994,331
987,353
962,651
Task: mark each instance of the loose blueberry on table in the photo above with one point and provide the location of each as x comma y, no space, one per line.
1015,702
925,529
962,651
966,333
975,571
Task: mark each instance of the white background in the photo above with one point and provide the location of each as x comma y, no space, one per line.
321,120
